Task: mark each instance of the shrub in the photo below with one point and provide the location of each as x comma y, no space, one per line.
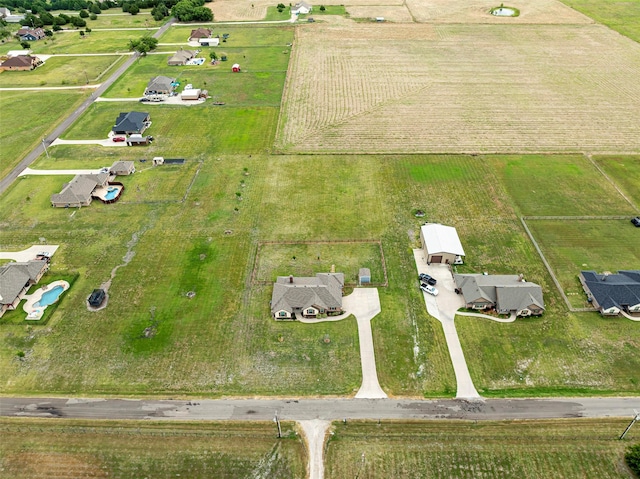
632,457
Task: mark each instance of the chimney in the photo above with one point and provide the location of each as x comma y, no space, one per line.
291,278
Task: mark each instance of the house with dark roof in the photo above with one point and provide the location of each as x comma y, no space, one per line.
28,34
505,293
160,85
79,191
21,63
132,122
181,57
16,279
307,297
199,33
612,294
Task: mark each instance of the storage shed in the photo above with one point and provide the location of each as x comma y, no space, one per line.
364,276
440,243
191,94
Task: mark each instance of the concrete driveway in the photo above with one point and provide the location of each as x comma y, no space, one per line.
29,253
29,171
101,142
364,304
443,307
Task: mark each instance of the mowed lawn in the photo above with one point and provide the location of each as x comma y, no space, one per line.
239,36
69,449
571,449
27,117
623,17
62,71
625,172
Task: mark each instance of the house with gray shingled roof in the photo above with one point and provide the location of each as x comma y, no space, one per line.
160,85
16,279
307,297
612,293
506,293
131,122
78,192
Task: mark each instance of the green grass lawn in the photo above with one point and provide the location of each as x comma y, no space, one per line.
71,42
63,71
542,185
572,246
108,19
260,83
623,17
76,448
625,172
571,449
239,36
26,117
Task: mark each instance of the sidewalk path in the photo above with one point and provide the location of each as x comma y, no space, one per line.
443,307
29,171
29,253
364,304
510,319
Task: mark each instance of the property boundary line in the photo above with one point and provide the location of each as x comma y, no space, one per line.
602,172
260,244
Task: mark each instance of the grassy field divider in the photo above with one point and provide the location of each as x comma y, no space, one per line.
613,183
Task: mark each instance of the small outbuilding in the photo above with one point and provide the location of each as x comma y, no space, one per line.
122,168
191,94
235,68
440,244
364,276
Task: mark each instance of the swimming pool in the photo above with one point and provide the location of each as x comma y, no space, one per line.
49,297
112,192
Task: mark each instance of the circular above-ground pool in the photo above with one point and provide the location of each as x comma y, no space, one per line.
502,11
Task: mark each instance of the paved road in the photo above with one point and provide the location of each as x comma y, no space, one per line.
324,409
36,152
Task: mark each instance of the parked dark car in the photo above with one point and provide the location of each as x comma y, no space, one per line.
636,221
427,279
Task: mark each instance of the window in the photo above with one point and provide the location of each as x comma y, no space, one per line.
310,311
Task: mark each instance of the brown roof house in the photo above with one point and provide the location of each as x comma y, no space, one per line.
21,63
307,297
15,280
78,192
199,33
122,168
181,57
28,34
507,293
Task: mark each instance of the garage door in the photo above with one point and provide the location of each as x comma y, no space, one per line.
436,259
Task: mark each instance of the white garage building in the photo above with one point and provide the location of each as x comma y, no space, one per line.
441,244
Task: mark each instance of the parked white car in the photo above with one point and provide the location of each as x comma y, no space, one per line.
427,288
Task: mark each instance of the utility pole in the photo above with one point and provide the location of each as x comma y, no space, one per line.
277,421
44,145
633,421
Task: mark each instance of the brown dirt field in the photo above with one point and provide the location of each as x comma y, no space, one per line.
477,11
398,14
239,10
461,88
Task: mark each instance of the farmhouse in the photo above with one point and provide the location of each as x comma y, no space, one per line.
78,192
301,8
30,34
440,244
160,85
133,122
612,293
122,168
21,63
15,280
307,297
506,293
199,33
181,57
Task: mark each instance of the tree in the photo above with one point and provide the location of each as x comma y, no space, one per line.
322,8
143,45
632,457
159,12
25,45
57,28
95,9
81,33
46,18
48,33
93,16
134,9
191,11
88,30
213,55
83,14
78,22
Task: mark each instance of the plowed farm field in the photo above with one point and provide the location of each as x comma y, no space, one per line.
461,88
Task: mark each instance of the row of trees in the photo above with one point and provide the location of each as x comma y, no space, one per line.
191,11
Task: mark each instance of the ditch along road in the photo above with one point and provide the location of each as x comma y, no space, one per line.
66,123
317,409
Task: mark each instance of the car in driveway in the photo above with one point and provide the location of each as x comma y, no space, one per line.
636,221
427,279
118,139
427,288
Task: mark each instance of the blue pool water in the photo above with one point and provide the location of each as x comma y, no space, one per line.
111,193
49,297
